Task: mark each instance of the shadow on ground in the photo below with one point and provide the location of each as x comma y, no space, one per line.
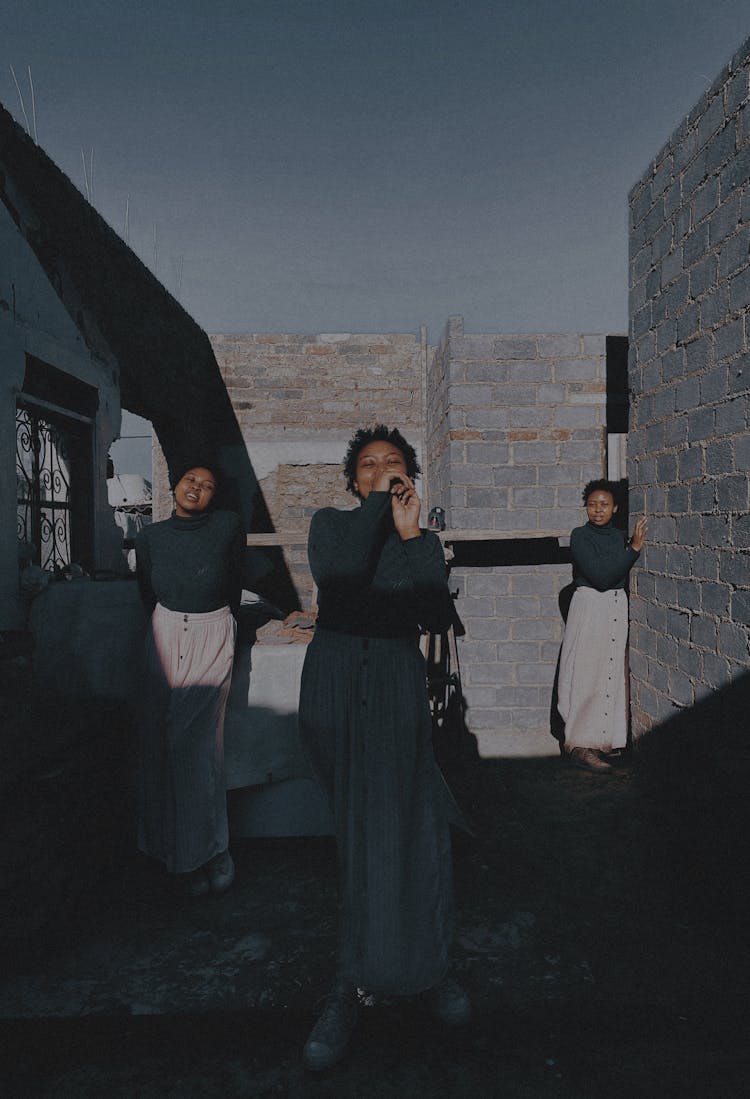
600,931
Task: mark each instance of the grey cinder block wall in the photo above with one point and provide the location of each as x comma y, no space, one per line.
508,429
299,399
689,446
515,426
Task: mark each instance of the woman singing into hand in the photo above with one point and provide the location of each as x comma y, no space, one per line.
365,725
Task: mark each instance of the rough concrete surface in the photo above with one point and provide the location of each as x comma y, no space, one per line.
600,931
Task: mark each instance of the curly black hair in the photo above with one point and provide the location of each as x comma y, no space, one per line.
378,433
201,461
601,485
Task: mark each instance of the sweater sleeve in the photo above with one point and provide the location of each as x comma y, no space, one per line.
599,566
426,564
235,560
344,547
143,571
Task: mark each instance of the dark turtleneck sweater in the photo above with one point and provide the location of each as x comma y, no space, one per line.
601,559
191,564
371,583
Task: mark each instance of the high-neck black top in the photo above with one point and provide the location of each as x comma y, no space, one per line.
601,559
191,564
371,583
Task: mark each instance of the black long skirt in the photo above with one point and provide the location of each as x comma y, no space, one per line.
365,726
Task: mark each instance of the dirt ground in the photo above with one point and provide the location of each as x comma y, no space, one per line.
600,930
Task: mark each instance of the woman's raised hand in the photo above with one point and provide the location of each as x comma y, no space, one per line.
405,506
639,534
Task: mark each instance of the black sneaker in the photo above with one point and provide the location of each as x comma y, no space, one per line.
329,1037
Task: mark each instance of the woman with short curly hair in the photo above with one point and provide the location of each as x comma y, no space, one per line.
366,727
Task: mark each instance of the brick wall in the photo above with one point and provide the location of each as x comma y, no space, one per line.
299,399
516,425
689,368
521,423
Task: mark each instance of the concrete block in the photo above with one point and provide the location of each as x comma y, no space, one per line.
531,629
732,418
732,492
678,624
550,394
472,474
738,376
715,670
535,453
529,372
514,347
714,598
580,370
688,323
700,424
483,418
666,650
536,497
716,531
713,385
515,520
518,475
680,688
719,457
688,532
673,364
736,172
733,252
736,92
741,531
666,467
471,395
734,641
704,276
497,674
487,497
487,629
473,347
705,199
703,632
530,416
480,453
560,346
714,308
740,610
705,561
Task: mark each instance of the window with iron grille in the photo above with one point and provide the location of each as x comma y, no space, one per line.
54,468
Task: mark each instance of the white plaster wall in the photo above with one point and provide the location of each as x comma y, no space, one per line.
33,321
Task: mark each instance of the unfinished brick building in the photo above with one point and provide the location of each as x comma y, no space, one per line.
508,429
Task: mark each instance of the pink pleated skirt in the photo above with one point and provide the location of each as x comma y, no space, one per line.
187,674
592,694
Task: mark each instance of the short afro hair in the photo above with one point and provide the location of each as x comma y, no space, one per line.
200,461
378,433
601,485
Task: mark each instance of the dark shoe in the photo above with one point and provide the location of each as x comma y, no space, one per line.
449,1003
329,1037
589,760
221,872
193,884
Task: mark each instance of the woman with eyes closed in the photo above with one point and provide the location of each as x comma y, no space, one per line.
188,570
366,728
592,695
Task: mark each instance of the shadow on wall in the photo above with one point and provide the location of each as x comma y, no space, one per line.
697,765
702,752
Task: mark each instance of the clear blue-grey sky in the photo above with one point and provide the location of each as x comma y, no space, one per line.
370,165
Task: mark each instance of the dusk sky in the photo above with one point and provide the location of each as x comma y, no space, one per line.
370,165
